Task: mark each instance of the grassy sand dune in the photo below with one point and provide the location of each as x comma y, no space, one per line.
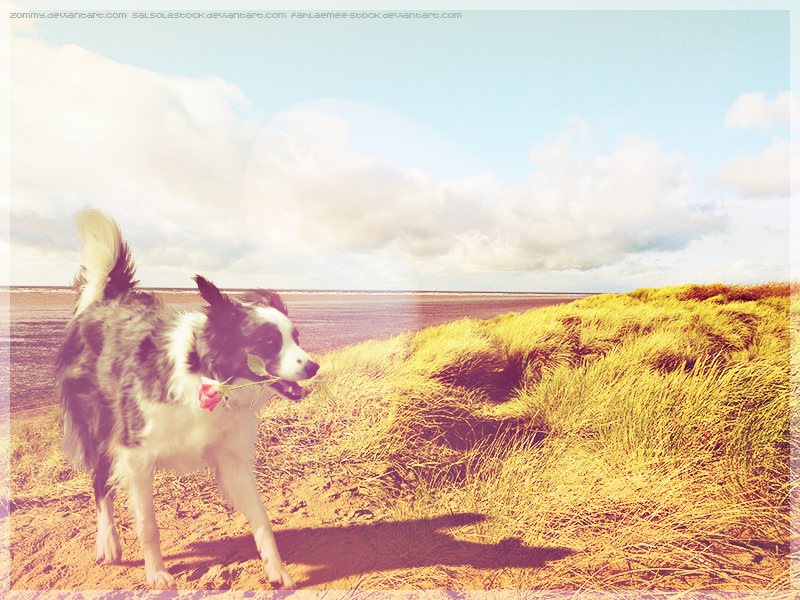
649,432
636,441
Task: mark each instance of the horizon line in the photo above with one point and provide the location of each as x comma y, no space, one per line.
314,290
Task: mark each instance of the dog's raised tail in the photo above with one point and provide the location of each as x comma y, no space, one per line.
106,267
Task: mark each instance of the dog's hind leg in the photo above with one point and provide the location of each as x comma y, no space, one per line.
237,484
108,549
141,491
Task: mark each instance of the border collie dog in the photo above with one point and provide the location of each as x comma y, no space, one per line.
128,376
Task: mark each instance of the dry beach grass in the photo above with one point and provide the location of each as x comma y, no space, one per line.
626,441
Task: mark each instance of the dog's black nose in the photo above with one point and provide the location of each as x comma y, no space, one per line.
311,369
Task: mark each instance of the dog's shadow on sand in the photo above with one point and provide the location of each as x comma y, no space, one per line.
342,551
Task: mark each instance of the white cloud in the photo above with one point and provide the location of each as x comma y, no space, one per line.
198,186
752,111
768,174
320,196
575,213
89,130
582,211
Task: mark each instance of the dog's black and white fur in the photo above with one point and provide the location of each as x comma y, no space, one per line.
128,374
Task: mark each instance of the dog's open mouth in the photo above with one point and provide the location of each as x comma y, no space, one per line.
288,389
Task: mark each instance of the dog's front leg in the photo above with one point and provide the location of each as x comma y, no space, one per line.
147,530
237,484
107,545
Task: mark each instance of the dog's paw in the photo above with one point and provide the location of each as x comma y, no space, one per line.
108,549
161,580
278,576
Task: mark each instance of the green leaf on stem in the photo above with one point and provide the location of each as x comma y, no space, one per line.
257,365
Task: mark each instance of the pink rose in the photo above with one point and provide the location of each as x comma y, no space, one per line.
210,395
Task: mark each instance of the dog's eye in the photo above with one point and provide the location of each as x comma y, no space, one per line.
268,336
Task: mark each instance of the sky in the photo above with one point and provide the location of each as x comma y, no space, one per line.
482,150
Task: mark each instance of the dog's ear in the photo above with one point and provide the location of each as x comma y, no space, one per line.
211,294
